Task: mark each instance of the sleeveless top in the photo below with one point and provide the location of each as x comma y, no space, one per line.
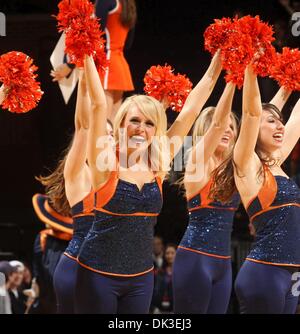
83,218
210,224
120,241
275,215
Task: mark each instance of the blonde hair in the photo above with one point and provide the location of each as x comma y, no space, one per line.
154,110
203,123
201,126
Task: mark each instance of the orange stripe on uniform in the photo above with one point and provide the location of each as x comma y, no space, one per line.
83,215
48,221
211,207
159,182
71,257
203,193
203,253
273,208
107,191
128,214
112,274
64,219
273,264
267,192
88,202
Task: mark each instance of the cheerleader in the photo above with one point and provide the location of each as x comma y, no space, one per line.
116,266
203,256
81,199
117,18
272,201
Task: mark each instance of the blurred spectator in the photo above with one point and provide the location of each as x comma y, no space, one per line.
27,277
158,252
8,271
162,301
17,298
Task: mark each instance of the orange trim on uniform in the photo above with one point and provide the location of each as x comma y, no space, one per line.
69,256
211,207
205,200
55,214
56,234
128,214
159,182
83,215
48,221
88,202
112,274
203,253
105,193
268,190
273,264
273,208
203,193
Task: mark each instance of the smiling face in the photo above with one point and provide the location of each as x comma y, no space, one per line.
139,128
271,132
228,138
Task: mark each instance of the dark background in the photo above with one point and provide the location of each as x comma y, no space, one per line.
30,144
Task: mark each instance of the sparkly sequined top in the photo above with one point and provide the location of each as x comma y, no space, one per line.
120,241
83,217
210,224
275,215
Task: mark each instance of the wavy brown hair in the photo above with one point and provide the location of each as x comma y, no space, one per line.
223,186
54,184
129,14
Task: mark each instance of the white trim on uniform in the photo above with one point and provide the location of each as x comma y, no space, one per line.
116,8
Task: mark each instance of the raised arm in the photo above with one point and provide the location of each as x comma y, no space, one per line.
195,101
281,97
97,119
209,142
78,153
244,151
292,133
2,94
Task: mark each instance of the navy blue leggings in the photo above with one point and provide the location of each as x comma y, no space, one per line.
265,289
202,284
64,284
103,294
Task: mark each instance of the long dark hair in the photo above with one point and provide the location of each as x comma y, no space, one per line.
54,184
223,186
129,14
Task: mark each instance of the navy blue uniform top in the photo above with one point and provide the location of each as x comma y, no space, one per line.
83,218
275,215
210,224
120,241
